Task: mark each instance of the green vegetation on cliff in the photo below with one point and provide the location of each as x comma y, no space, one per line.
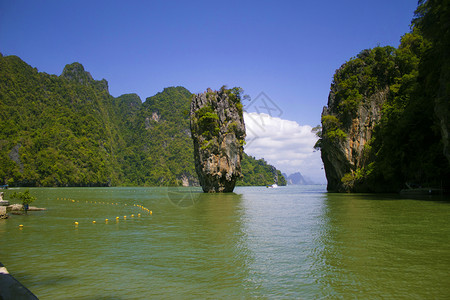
69,131
158,150
407,89
55,130
259,172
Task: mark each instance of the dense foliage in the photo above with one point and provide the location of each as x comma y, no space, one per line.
158,150
23,197
259,172
410,143
69,131
54,131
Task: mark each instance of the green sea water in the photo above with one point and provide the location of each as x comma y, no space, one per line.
295,242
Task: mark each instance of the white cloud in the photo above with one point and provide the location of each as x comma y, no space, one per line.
284,144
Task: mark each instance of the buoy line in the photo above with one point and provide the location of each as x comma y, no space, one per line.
76,223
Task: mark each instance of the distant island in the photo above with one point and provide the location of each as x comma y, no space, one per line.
297,179
387,123
68,130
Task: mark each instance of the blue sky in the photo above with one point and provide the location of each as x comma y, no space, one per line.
287,49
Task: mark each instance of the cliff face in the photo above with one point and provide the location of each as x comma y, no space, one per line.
218,132
357,96
386,124
348,153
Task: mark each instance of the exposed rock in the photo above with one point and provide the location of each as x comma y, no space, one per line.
184,181
3,207
3,202
218,132
155,117
188,180
14,155
345,155
3,214
19,207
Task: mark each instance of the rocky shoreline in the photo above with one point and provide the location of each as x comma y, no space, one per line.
16,209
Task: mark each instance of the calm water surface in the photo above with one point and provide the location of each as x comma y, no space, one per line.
289,242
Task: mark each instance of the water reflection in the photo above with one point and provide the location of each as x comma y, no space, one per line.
200,240
279,237
373,246
292,242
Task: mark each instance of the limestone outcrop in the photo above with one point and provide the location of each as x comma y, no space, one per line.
19,207
3,214
218,133
3,205
385,128
345,153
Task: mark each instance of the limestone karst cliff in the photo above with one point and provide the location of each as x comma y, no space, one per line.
382,130
361,94
218,133
345,152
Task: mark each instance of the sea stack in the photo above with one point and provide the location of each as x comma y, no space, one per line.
218,132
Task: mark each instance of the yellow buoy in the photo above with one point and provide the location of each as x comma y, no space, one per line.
132,216
106,220
124,217
93,222
76,223
151,212
117,218
20,225
139,215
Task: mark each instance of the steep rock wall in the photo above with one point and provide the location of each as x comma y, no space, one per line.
346,154
218,132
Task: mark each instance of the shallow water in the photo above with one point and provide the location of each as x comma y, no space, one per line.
289,242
